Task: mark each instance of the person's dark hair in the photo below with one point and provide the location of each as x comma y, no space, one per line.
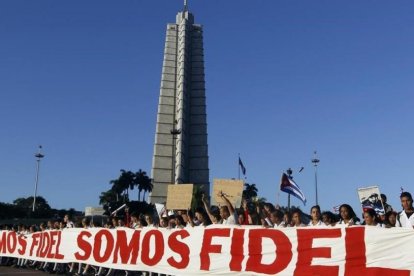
135,214
277,213
332,217
388,214
373,214
384,197
270,206
180,220
142,221
317,207
406,194
351,212
203,212
298,211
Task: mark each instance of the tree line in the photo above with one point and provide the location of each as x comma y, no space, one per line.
22,208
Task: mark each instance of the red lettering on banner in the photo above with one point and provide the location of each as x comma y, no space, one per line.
236,250
3,242
180,248
159,248
35,242
45,244
50,252
23,245
283,251
355,260
84,245
306,252
208,248
126,250
98,244
11,242
54,240
58,255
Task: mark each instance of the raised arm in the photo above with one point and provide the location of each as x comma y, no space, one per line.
228,203
207,208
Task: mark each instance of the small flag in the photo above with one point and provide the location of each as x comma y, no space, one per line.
243,169
289,186
335,209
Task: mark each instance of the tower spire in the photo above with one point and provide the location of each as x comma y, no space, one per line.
185,5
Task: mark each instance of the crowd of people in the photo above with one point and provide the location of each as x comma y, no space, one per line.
249,213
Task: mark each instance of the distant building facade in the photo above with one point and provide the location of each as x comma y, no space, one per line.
181,149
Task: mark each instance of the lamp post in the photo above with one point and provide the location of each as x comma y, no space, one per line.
39,156
315,162
289,172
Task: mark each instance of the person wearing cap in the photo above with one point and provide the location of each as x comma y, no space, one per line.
405,218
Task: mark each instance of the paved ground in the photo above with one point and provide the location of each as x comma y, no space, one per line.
6,270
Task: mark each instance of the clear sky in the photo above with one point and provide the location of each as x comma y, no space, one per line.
283,78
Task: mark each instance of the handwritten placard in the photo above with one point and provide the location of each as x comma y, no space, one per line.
231,188
179,196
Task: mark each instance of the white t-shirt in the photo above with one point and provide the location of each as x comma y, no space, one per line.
404,221
350,222
231,220
282,224
319,223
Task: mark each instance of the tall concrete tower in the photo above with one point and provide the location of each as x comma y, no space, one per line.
181,150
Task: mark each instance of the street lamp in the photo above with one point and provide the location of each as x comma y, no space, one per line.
315,162
39,156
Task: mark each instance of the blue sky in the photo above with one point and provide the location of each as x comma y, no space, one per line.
283,78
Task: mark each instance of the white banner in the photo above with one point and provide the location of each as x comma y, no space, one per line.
225,250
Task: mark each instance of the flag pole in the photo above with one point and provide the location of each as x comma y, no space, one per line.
289,173
238,166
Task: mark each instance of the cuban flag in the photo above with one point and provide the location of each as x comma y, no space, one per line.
242,167
289,186
335,209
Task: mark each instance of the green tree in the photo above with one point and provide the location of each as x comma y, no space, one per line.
42,208
122,184
143,183
107,197
250,191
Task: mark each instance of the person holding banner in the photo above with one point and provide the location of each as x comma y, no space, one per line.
276,217
390,219
135,223
297,219
348,216
405,218
371,218
315,214
329,218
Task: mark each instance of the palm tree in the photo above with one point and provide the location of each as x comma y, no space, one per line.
250,191
107,197
122,185
116,188
143,182
147,186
